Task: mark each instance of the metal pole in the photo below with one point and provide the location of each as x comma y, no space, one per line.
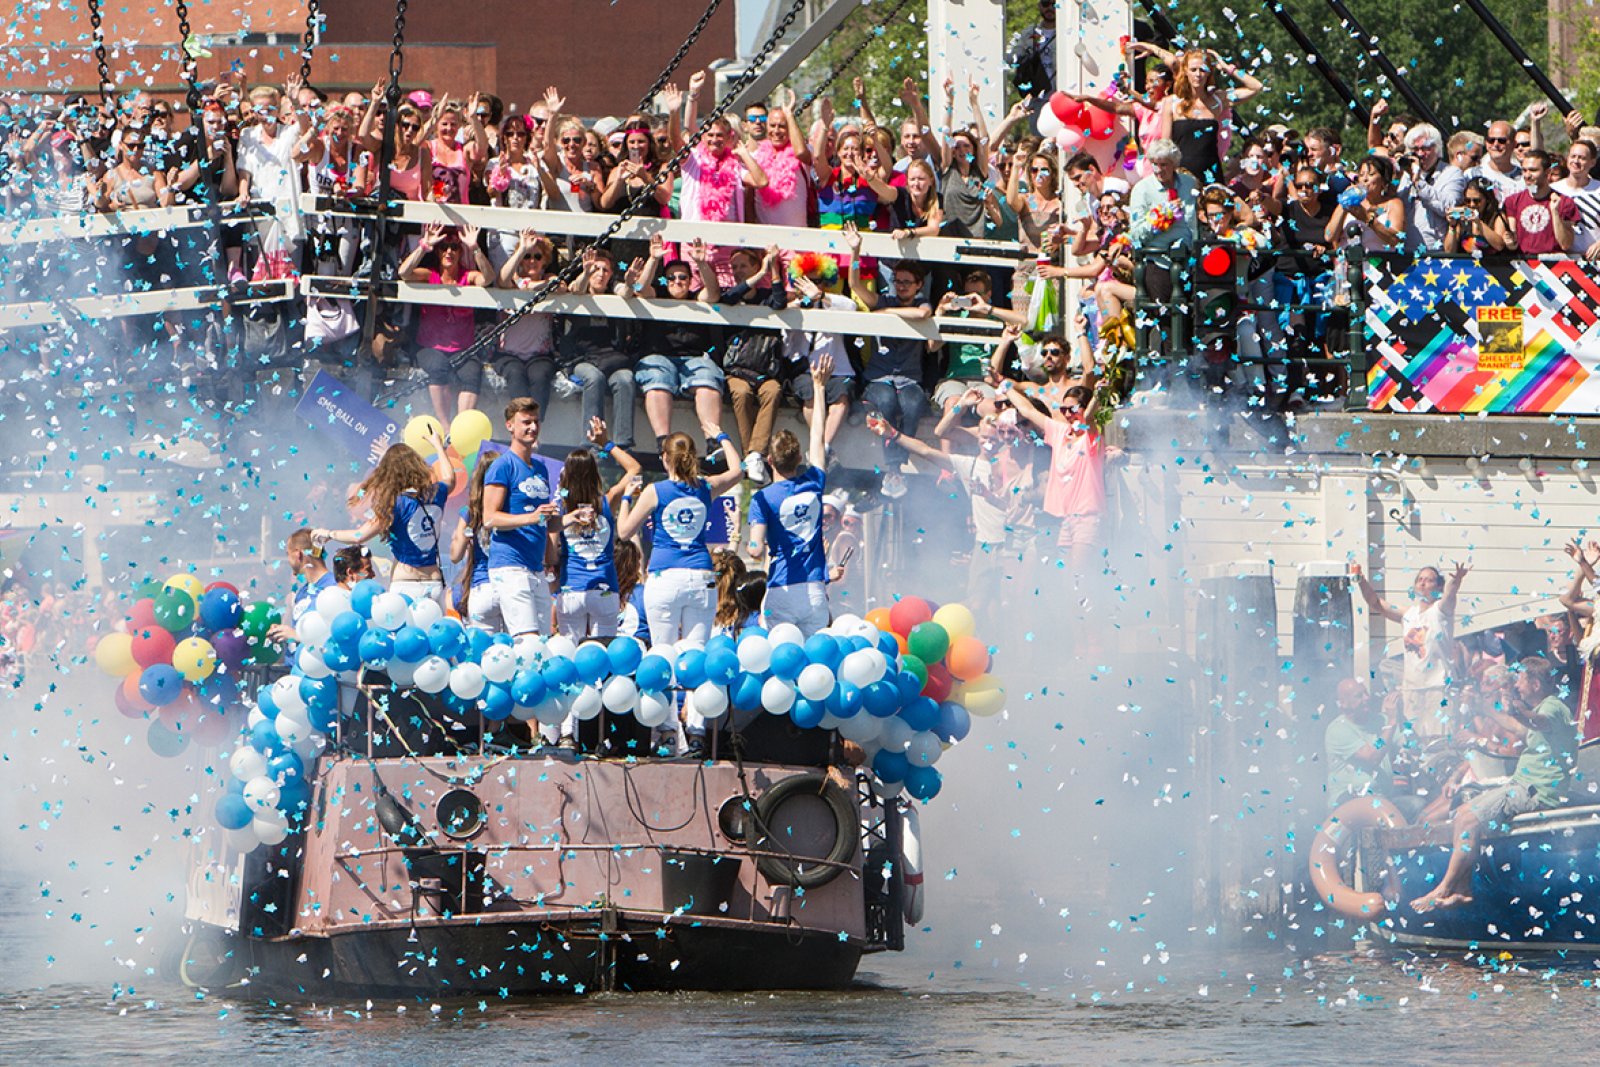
1335,81
1529,67
1398,80
1159,21
785,62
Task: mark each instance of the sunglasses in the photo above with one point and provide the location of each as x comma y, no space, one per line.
1041,170
572,140
678,276
1471,201
755,118
537,257
1497,140
411,125
1052,351
1524,144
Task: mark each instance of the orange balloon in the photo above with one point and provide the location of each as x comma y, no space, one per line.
458,492
968,658
879,617
900,640
130,692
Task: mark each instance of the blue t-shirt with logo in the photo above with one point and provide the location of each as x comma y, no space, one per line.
528,486
681,517
305,598
791,510
588,556
414,532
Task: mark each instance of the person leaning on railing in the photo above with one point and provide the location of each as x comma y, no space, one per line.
1161,225
1543,220
1370,213
1476,224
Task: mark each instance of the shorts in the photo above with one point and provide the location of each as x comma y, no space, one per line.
1427,711
838,389
523,598
584,613
680,604
483,608
438,367
953,388
1082,530
1498,805
804,604
678,375
431,589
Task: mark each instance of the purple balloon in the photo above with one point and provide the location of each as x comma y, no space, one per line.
232,647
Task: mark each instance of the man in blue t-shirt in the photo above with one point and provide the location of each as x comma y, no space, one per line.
786,521
518,500
311,577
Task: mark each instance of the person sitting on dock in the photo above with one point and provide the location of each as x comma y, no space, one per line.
1549,739
1357,745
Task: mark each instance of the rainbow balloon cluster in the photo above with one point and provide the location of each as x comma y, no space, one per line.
178,659
903,684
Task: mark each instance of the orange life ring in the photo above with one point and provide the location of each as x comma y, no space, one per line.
1334,839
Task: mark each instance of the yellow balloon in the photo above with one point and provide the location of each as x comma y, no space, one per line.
957,620
416,434
195,659
468,431
189,584
114,655
983,696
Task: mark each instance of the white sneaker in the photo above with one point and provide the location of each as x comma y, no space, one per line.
755,468
894,485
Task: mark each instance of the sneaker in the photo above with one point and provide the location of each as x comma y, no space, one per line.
894,485
695,748
236,278
755,468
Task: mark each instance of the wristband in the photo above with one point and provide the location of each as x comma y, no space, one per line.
626,499
1005,387
605,449
721,437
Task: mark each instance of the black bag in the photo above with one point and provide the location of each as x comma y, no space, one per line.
754,355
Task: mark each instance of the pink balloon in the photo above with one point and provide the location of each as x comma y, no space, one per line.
1069,139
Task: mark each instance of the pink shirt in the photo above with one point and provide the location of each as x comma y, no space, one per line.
443,327
1076,484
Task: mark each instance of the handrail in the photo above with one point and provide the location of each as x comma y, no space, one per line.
137,302
141,222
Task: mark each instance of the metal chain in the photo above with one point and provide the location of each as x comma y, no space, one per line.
683,50
313,15
844,64
397,58
380,250
646,195
99,37
187,64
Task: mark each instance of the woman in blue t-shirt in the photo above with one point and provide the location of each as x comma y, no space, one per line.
406,499
469,546
631,621
587,605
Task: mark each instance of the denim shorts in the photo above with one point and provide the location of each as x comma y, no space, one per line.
678,375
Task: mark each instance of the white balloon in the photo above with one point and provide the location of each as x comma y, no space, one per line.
254,716
653,710
887,790
467,681
313,630
863,667
711,700
620,695
243,839
261,793
522,713
786,633
432,674
895,732
292,728
816,681
666,651
499,663
389,611
424,613
312,665
830,721
924,750
309,749
846,624
859,728
586,704
755,654
286,694
270,829
1049,124
401,673
777,696
333,601
561,645
246,763
530,651
553,711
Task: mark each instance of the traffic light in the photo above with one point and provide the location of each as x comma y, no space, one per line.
1218,281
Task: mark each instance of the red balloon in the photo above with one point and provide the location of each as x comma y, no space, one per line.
152,645
213,727
180,715
909,612
1065,108
229,586
143,615
1097,122
132,706
939,682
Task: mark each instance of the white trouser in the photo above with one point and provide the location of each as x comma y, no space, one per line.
680,605
584,613
523,597
483,608
804,604
423,590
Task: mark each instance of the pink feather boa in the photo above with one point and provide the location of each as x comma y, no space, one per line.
719,183
782,170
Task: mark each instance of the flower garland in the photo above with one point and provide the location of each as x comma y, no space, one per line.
783,173
718,184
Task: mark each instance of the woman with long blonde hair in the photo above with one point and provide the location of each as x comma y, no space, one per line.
405,499
1198,114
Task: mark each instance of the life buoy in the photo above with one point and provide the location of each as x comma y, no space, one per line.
1333,841
780,868
911,863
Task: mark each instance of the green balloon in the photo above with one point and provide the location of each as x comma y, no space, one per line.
929,642
147,588
263,653
258,619
174,610
915,665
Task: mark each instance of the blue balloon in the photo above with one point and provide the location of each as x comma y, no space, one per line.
501,638
265,740
746,694
823,649
294,799
891,766
446,637
362,594
559,672
721,641
923,782
160,684
592,662
807,713
888,645
844,701
234,787
339,658
954,722
848,645
376,647
752,631
320,692
528,688
411,644
692,669
478,642
232,812
347,629
881,699
284,767
910,686
722,666
921,714
625,653
220,610
653,674
788,661
322,719
458,707
497,702
267,702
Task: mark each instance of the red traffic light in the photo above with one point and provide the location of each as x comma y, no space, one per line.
1217,262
